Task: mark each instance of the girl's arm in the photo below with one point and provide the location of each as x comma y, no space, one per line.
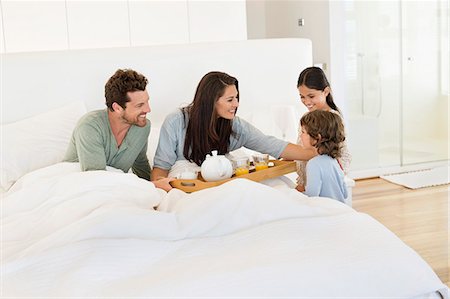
345,158
158,173
300,165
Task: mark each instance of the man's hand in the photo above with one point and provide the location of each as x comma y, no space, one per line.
163,183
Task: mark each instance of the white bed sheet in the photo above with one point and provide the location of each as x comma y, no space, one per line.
67,233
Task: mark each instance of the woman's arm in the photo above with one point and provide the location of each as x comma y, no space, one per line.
159,173
160,179
298,152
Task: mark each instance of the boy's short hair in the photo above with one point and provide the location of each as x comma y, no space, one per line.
327,129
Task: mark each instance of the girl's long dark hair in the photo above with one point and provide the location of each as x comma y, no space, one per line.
205,131
314,78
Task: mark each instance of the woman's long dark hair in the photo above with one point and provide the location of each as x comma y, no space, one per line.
205,131
314,78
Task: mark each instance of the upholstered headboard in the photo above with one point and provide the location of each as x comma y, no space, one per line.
267,70
43,94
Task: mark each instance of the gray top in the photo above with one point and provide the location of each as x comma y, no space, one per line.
173,133
94,146
325,178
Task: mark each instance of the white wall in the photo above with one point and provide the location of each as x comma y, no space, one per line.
256,19
147,27
34,25
2,37
279,19
30,26
322,25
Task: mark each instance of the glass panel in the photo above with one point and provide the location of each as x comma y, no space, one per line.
397,75
425,66
373,82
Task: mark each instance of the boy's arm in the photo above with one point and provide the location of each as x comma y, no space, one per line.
313,179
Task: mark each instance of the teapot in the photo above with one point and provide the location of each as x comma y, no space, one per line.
216,168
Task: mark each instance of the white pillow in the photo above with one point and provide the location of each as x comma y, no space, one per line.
36,142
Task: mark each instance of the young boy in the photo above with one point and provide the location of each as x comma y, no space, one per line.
324,130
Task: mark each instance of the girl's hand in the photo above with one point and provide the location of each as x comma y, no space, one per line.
300,188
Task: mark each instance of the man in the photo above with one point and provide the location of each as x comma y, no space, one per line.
118,135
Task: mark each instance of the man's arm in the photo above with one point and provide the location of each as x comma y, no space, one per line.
89,148
141,167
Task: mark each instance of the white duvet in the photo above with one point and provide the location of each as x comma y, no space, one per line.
72,234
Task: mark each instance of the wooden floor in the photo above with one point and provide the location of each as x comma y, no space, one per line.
418,217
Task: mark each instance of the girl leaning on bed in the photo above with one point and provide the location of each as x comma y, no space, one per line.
315,94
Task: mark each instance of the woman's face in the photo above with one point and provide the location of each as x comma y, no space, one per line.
314,99
227,104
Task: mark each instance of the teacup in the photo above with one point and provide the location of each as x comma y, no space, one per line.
261,161
240,165
188,175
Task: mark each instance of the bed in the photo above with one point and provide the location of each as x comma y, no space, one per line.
67,233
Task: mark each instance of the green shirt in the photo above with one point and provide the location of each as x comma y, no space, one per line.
94,146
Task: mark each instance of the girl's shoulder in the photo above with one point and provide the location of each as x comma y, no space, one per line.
336,112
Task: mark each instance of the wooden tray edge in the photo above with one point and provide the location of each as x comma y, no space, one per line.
280,167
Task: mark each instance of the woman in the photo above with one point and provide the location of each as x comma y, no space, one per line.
315,94
210,123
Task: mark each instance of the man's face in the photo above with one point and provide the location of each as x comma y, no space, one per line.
136,109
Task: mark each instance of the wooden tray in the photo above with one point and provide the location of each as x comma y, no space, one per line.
280,168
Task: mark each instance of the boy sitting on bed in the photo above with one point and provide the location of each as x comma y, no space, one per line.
117,136
324,130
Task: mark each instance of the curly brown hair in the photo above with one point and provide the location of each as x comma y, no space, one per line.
327,129
122,82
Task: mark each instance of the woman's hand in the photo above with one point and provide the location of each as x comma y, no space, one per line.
298,152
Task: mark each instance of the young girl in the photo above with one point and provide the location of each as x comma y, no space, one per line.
324,131
315,94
